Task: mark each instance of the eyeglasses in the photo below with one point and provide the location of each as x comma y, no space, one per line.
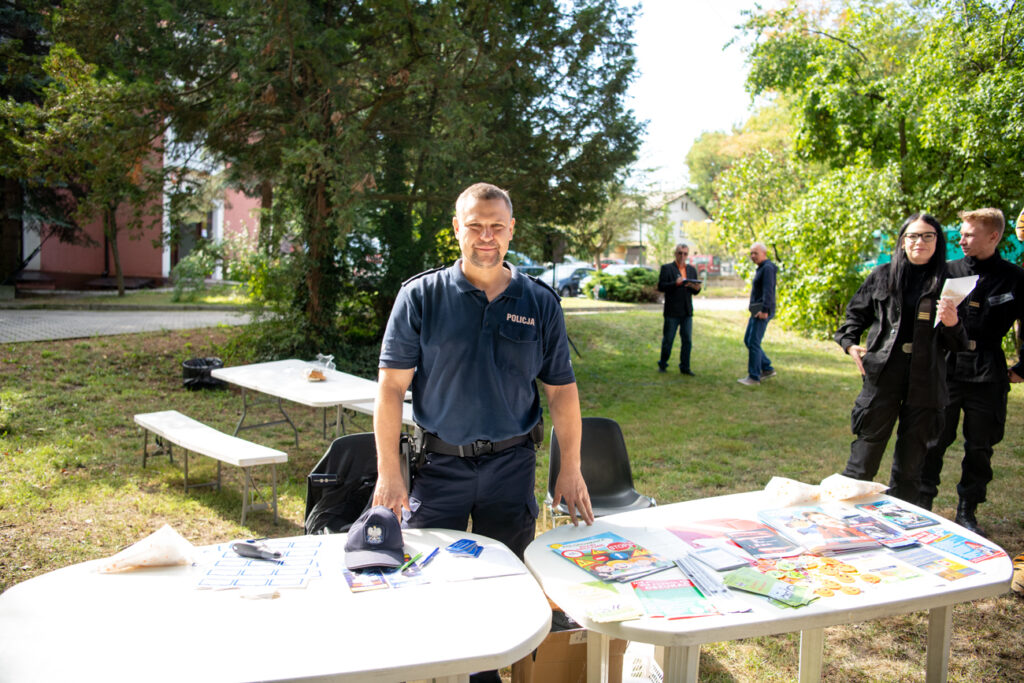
926,237
684,253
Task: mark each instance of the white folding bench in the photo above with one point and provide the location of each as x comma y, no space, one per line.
171,427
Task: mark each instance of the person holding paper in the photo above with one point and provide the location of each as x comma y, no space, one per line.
679,283
762,309
979,380
902,362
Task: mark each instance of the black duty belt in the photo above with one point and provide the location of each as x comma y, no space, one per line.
433,444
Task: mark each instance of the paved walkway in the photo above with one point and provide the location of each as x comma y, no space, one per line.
25,325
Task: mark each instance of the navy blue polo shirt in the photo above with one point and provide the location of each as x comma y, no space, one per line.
476,361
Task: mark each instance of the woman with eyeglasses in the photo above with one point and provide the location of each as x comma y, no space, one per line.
909,329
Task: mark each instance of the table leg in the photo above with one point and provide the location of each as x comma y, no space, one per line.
812,646
940,626
681,663
245,409
598,652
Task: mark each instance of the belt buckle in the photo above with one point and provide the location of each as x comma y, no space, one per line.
482,447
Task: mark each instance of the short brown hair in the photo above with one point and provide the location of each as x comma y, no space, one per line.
988,218
484,191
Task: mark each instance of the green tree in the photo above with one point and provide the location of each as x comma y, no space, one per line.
367,118
619,217
24,44
95,134
898,107
660,237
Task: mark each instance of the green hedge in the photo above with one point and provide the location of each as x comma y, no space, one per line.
636,285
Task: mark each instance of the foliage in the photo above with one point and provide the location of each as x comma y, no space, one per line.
369,118
769,128
636,285
190,273
660,238
595,235
896,107
94,135
932,86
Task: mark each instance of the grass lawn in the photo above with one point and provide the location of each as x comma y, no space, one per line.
72,487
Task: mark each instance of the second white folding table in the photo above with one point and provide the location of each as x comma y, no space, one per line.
286,380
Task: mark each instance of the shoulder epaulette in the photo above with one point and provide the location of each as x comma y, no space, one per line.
545,285
425,272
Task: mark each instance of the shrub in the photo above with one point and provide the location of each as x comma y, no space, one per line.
636,285
190,273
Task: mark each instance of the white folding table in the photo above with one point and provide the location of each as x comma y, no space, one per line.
285,380
155,625
682,638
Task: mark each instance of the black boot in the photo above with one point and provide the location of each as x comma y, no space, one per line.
965,517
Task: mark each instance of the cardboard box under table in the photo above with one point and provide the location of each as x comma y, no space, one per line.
562,656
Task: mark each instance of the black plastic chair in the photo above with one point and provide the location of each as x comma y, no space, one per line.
604,463
340,487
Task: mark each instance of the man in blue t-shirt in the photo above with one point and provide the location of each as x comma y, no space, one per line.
762,309
471,339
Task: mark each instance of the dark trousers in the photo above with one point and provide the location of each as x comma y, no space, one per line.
758,362
872,420
495,490
983,405
668,336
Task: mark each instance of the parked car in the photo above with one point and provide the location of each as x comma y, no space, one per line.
706,265
605,262
535,271
565,278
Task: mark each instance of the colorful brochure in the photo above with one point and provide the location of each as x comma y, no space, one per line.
891,512
958,545
672,598
611,557
817,531
753,581
933,563
763,541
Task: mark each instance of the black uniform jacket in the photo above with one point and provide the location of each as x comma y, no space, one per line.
874,310
987,312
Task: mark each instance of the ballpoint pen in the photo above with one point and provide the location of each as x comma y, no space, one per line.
433,553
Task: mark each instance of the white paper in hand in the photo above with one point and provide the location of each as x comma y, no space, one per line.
956,290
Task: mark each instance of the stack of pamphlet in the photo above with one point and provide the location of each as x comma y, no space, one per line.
611,557
818,531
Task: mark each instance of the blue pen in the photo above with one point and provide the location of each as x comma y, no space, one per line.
429,557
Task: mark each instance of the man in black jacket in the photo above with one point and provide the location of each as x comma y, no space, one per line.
679,283
979,380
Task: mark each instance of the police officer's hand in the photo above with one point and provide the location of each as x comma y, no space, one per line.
571,488
947,312
1014,377
856,353
390,492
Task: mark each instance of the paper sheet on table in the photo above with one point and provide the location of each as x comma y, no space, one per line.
956,290
492,562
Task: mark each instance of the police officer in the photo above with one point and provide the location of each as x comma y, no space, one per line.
471,339
903,362
978,377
